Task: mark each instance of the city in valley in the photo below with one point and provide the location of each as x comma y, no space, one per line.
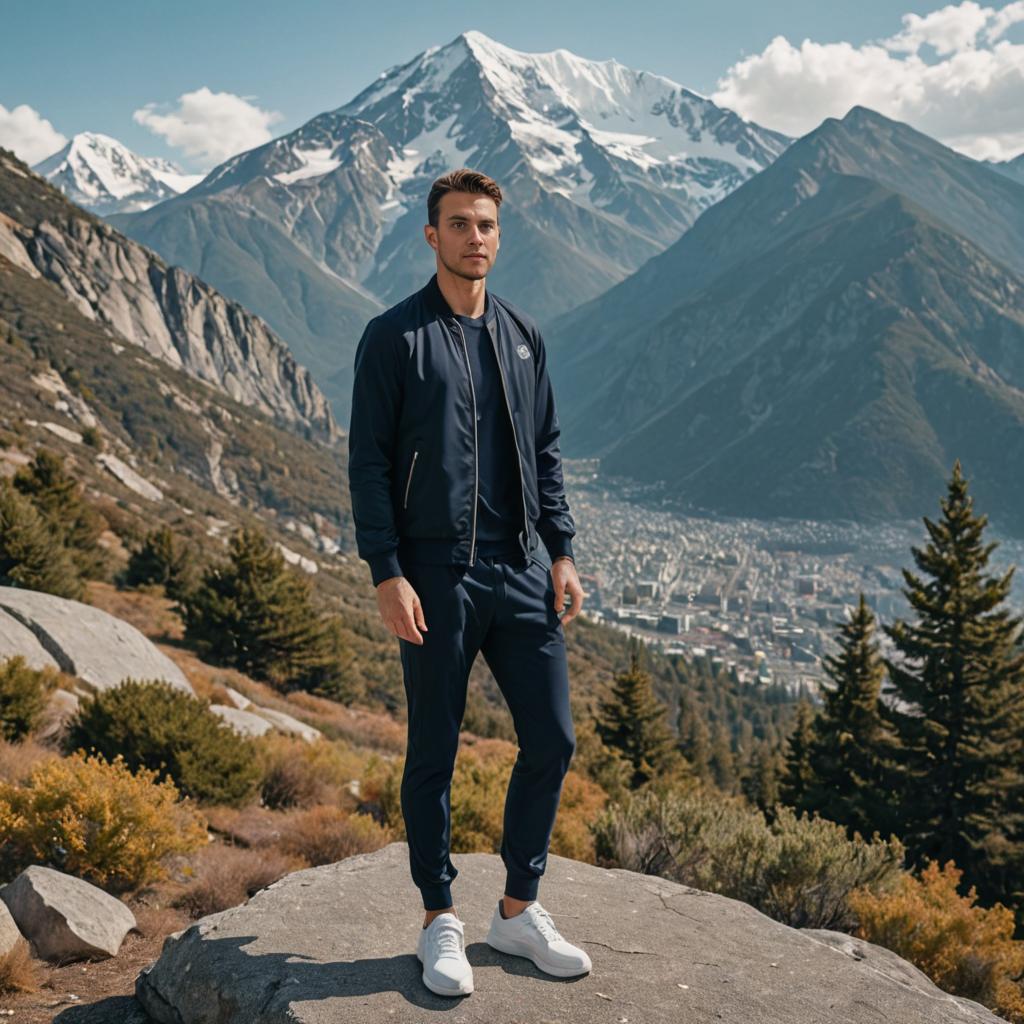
760,598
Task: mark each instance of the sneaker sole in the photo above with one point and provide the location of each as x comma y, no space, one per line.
514,949
440,990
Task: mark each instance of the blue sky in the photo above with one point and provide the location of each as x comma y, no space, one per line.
91,67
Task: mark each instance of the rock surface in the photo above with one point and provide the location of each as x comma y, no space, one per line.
9,933
64,917
243,722
16,638
337,943
87,642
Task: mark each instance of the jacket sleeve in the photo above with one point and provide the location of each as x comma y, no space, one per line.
555,525
376,405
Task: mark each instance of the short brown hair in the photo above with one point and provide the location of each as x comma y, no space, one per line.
461,180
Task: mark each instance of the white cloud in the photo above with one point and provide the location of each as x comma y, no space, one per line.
969,94
28,134
209,126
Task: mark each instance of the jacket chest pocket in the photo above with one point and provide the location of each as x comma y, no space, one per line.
408,479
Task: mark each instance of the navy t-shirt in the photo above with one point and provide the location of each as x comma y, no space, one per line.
500,506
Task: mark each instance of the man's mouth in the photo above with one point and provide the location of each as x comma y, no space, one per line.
476,256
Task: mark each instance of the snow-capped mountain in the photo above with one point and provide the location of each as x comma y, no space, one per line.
602,167
101,174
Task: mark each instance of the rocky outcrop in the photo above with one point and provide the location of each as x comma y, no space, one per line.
64,917
338,943
170,313
81,640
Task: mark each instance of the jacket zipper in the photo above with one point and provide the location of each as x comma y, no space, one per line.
476,456
412,466
519,458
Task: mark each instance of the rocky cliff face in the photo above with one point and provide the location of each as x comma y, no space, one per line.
163,309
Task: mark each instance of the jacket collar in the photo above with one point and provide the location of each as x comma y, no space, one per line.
435,297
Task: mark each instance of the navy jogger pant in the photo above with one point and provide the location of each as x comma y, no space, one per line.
504,608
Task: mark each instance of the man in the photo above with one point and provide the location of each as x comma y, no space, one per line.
456,481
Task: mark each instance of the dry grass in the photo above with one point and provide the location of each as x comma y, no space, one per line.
18,759
19,971
226,876
147,609
301,774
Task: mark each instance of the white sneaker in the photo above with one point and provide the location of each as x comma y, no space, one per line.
533,934
441,948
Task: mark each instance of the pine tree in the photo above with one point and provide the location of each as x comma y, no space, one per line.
256,614
852,747
960,680
31,556
57,496
163,558
798,776
634,722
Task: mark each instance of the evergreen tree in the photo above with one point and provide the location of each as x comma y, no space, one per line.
852,747
723,762
960,680
256,614
634,723
57,496
798,776
31,556
163,558
694,738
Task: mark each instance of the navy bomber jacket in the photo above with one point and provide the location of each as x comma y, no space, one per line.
413,459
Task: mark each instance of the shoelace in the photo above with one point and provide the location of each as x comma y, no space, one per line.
544,923
449,940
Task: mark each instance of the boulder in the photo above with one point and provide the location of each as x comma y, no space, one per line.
338,942
16,638
244,722
9,933
285,723
238,699
87,642
64,917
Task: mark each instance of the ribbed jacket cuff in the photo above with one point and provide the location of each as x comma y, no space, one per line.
559,544
384,566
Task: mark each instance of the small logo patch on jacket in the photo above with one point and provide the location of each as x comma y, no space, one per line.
523,351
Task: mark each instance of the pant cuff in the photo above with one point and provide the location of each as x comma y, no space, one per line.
522,888
436,897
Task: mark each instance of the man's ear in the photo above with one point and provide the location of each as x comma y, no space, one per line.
427,229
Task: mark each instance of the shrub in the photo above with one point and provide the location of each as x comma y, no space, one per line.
300,774
31,554
154,725
326,834
800,871
24,693
963,948
163,558
96,819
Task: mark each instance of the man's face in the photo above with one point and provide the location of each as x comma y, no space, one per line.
466,238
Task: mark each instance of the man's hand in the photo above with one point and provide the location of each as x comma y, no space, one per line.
400,609
563,573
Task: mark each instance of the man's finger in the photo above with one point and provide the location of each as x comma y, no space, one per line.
417,609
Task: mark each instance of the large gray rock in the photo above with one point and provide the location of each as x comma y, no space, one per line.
60,709
88,642
338,943
245,723
66,918
9,933
16,638
286,723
